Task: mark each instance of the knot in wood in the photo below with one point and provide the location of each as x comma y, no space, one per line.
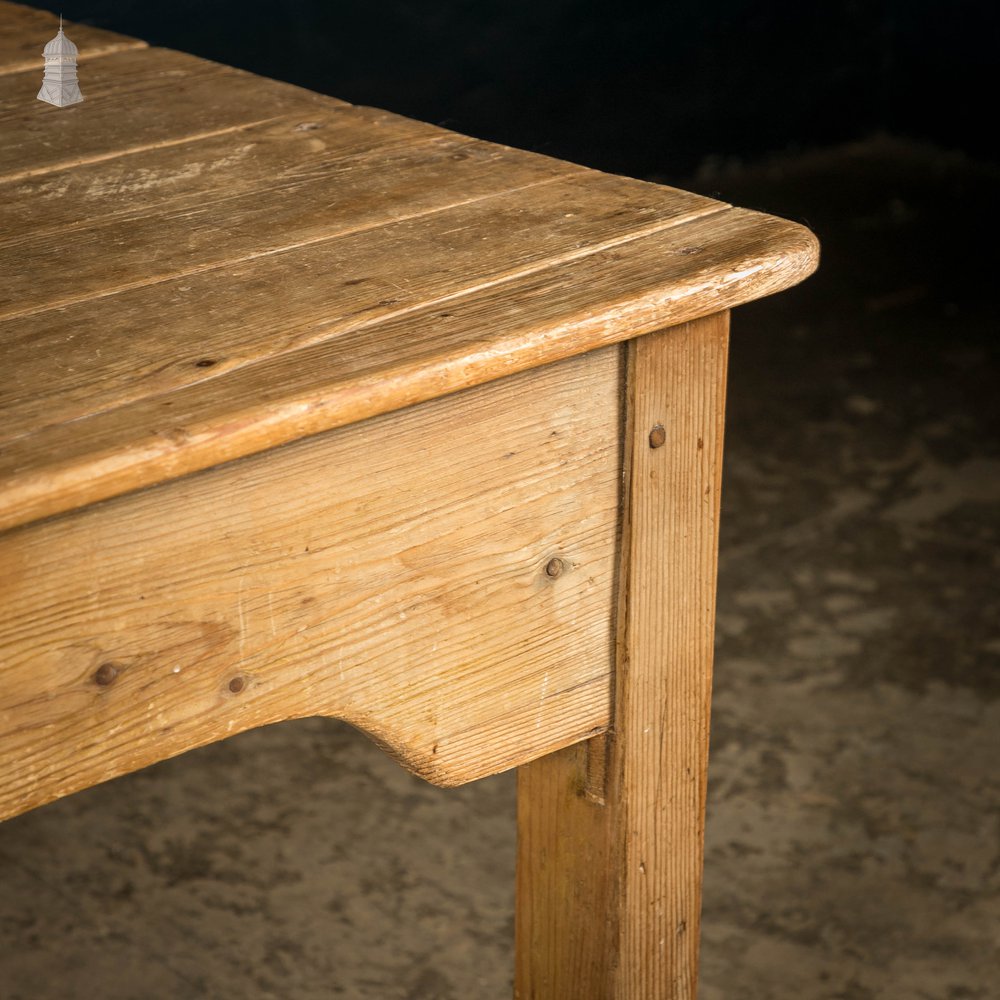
657,436
105,674
554,568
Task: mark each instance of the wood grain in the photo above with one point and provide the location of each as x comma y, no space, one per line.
564,889
393,266
134,100
271,159
391,573
315,202
353,366
25,30
647,906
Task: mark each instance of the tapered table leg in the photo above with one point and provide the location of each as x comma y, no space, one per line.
611,833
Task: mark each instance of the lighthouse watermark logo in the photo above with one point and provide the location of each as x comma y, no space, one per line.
59,85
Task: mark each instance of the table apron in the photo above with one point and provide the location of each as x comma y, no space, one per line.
441,577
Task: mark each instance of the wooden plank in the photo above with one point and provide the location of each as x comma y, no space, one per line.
267,159
392,573
25,30
136,100
316,201
593,296
384,270
641,913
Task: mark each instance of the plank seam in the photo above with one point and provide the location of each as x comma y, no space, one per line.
207,198
132,150
246,258
113,48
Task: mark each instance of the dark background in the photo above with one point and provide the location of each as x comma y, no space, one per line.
631,86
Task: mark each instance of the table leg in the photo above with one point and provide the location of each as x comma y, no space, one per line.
611,833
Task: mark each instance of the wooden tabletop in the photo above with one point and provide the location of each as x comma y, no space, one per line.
197,264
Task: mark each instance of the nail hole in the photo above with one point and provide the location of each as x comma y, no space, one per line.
657,436
554,568
237,684
105,674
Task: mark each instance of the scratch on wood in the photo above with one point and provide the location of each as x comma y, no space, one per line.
541,701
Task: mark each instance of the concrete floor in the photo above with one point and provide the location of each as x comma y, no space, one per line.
853,845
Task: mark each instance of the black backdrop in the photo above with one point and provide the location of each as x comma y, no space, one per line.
631,86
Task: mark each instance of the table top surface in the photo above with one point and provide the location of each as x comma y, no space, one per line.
197,264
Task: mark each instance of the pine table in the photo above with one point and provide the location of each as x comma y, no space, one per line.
310,409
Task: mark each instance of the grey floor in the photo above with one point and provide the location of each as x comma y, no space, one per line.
853,846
